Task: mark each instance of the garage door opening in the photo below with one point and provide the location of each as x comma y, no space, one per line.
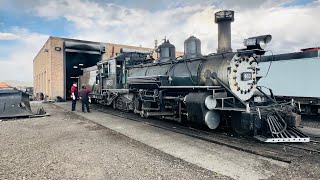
75,62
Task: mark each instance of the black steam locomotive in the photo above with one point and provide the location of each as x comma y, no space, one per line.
213,90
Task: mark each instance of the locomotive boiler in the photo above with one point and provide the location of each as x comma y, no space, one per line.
214,90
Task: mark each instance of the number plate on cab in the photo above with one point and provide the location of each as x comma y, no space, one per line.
246,76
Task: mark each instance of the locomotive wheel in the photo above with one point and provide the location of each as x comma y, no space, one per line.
114,104
143,113
137,106
94,101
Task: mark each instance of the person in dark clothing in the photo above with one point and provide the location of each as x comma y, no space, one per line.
97,77
84,96
74,96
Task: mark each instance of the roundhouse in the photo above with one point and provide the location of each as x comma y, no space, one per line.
60,62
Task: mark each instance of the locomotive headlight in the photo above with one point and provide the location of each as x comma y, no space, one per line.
250,42
258,42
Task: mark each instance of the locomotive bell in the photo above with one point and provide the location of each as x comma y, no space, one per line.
192,47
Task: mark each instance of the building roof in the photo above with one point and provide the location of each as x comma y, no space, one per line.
4,85
311,49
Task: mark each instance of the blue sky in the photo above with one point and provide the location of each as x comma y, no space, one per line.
25,25
297,3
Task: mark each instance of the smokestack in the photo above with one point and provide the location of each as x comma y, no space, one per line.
224,19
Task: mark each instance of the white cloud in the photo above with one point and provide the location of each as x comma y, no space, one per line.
8,36
292,27
18,64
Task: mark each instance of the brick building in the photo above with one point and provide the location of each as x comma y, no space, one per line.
59,62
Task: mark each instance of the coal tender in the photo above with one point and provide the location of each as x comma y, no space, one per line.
214,90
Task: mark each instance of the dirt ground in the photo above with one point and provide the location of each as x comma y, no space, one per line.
66,146
303,168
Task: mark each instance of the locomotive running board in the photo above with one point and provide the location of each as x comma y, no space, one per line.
290,135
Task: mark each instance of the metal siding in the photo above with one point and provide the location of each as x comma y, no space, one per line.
292,77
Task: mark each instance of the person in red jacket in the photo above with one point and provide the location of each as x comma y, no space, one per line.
74,96
84,96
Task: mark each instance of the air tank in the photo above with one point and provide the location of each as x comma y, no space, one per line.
166,51
192,47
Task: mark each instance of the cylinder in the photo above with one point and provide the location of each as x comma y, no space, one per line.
224,19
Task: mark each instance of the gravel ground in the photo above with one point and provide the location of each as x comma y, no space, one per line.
307,167
311,121
66,146
303,168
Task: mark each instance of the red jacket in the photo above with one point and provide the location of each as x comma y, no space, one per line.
73,89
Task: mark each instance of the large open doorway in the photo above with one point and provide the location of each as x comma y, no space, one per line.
75,62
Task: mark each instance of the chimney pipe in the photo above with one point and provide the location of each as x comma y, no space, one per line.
224,19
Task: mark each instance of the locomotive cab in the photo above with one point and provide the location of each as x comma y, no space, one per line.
112,73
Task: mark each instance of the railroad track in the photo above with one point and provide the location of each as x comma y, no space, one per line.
311,121
284,152
312,146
